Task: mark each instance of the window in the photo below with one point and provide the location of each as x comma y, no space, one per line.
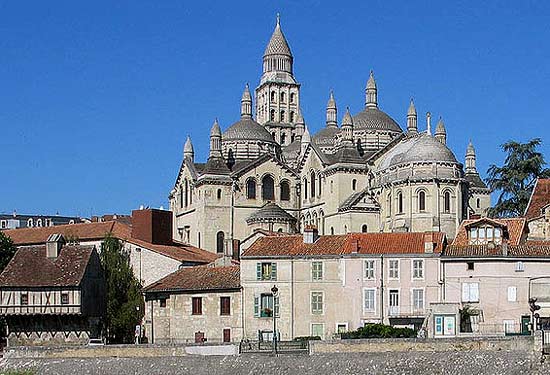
312,184
364,228
291,118
520,267
219,194
3,224
305,188
353,184
24,299
285,191
447,202
187,193
484,234
512,294
418,268
470,292
199,240
39,222
196,303
320,185
283,97
64,298
268,188
394,269
265,304
272,116
283,139
389,204
162,302
369,269
478,205
273,96
341,327
369,300
266,271
400,203
332,231
220,242
421,201
394,302
418,299
317,303
470,266
292,97
181,198
282,119
225,305
318,329
316,271
226,335
30,223
251,189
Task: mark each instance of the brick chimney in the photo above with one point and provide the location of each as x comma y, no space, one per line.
54,243
311,234
429,243
152,225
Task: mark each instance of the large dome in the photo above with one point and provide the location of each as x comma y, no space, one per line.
419,148
247,129
374,119
326,136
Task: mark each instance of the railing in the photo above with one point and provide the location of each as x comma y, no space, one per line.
546,342
283,347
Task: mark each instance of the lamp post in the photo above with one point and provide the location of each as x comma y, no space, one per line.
275,292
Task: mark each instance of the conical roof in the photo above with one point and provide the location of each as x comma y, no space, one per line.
215,131
371,83
470,150
347,120
412,109
331,102
271,212
246,94
306,137
277,44
188,147
440,128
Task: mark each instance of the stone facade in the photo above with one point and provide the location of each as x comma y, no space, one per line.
366,175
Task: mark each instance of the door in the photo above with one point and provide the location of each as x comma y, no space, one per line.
525,320
449,326
199,337
226,335
394,302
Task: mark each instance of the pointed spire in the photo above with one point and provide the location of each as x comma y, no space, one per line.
371,100
215,130
246,103
215,140
305,141
470,150
188,151
331,115
347,127
300,124
412,119
277,55
440,132
471,159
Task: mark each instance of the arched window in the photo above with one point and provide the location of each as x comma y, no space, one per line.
421,201
331,186
39,222
182,199
219,242
332,231
447,202
30,223
268,188
345,229
282,119
219,194
292,97
283,97
280,230
399,203
186,193
190,193
389,204
283,139
199,239
291,118
273,96
312,184
305,188
320,191
251,188
272,115
285,191
273,135
364,228
478,204
353,184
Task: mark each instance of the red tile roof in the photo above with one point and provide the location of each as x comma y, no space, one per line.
516,228
30,267
196,279
515,251
179,252
362,243
540,197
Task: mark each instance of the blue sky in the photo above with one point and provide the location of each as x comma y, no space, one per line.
97,98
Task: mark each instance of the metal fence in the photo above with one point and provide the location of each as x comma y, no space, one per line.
282,347
546,342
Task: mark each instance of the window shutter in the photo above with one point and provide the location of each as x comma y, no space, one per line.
258,271
511,293
256,306
474,292
273,271
465,292
276,306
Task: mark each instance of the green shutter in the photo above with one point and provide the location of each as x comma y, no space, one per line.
276,306
273,271
258,271
256,306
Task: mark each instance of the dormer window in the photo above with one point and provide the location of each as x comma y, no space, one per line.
484,235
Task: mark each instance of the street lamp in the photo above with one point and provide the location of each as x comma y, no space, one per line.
275,292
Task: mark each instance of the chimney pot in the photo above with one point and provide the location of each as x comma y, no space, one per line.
311,234
429,242
54,243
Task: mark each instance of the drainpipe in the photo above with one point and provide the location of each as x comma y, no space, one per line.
382,288
291,299
152,324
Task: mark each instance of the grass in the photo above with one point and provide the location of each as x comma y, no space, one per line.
18,372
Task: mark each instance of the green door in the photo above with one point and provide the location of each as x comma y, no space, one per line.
525,320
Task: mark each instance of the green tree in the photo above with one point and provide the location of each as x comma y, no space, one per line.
7,250
125,306
516,178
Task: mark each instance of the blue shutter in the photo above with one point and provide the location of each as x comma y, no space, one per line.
256,306
273,271
258,271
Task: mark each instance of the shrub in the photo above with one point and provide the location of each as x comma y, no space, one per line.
372,330
307,338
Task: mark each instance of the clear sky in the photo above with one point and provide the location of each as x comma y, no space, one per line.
96,98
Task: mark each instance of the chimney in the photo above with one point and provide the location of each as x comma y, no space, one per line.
311,234
429,242
354,246
152,225
54,243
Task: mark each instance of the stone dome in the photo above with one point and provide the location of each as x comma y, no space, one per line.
419,148
271,212
326,136
374,119
247,129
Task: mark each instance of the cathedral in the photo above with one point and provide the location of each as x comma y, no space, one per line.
364,174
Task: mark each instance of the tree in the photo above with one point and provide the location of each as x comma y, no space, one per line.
125,306
7,250
516,178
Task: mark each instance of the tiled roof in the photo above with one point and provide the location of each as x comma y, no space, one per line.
31,268
525,250
179,252
540,197
515,227
84,231
201,278
362,243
